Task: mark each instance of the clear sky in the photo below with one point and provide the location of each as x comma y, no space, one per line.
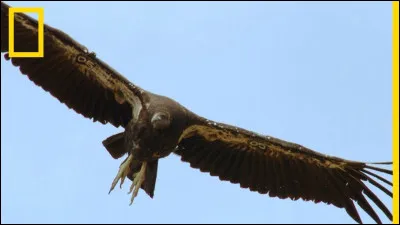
318,74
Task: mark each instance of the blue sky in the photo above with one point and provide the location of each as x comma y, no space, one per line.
318,74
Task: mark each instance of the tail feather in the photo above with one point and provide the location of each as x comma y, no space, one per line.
115,145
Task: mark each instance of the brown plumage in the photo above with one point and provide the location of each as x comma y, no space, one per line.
156,126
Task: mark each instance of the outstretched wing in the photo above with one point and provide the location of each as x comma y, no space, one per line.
282,169
71,74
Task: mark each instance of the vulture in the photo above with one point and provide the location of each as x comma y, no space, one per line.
156,126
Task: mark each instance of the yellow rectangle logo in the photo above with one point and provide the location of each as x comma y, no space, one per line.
395,112
11,15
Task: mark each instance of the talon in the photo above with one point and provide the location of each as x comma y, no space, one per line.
122,173
122,182
137,181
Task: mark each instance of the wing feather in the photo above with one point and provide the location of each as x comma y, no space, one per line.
71,74
282,169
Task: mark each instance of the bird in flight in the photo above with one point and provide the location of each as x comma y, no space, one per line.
156,126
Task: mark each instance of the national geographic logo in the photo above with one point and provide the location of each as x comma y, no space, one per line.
11,14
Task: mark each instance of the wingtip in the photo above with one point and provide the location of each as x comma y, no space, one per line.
380,163
4,5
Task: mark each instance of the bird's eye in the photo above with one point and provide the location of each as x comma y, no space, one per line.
160,120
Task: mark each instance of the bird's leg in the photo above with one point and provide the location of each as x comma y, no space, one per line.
138,180
122,173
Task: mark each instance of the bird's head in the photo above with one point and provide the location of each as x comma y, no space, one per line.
157,131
